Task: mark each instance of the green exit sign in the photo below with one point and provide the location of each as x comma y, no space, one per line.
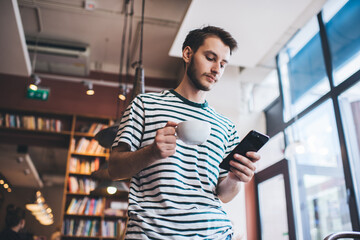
39,94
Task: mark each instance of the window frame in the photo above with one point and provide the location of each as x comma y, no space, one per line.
275,122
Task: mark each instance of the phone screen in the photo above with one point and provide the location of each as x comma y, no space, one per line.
252,142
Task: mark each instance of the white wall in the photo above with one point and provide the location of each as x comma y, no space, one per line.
226,98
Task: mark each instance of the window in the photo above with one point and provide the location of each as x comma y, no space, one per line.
317,174
350,114
272,152
321,121
272,208
302,70
342,18
266,92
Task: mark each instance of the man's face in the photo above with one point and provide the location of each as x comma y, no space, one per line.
208,63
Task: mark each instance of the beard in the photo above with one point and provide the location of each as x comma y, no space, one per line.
191,73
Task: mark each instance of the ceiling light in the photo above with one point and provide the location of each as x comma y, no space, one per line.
90,91
111,190
40,210
20,159
37,81
109,187
27,171
4,183
122,93
122,97
139,80
106,136
33,207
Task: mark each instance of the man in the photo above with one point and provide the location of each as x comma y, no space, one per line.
15,221
176,188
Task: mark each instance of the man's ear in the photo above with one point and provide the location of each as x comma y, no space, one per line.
187,54
22,223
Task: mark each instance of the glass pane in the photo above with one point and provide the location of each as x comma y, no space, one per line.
273,213
342,18
272,152
317,174
302,70
350,114
266,91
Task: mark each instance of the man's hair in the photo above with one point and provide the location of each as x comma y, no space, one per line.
196,38
14,215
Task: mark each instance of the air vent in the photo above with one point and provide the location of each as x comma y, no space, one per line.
59,57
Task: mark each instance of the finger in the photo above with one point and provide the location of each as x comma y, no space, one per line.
245,161
254,157
169,130
170,147
242,168
241,175
171,124
166,139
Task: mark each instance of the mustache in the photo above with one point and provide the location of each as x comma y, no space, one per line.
211,76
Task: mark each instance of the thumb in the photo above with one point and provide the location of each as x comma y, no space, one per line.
171,124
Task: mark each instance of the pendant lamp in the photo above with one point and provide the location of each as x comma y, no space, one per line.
37,80
106,136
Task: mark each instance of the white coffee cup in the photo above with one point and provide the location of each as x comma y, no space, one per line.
193,132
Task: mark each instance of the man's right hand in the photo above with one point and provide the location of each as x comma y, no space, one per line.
125,164
165,141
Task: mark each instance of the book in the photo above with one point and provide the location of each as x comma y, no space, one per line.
98,207
92,206
71,206
83,205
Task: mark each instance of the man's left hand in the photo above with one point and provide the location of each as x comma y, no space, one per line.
243,168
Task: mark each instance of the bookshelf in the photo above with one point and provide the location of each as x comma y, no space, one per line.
87,214
35,128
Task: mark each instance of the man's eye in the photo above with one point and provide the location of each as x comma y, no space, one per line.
209,58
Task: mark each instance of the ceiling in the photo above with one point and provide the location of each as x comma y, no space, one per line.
102,29
261,28
33,166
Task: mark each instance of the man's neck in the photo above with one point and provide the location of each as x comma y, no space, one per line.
190,92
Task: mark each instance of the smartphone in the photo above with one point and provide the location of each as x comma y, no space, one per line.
252,142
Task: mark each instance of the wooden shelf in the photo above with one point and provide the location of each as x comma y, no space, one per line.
20,129
80,134
83,132
114,217
35,128
78,237
34,137
82,215
90,154
46,129
80,174
79,194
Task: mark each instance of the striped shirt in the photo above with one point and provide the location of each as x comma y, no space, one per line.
175,198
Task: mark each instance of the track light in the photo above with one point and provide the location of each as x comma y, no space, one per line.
37,81
41,211
122,93
90,91
4,184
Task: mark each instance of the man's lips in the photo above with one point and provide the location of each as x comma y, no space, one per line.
211,77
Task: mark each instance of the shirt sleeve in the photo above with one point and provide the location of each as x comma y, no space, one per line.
231,144
131,126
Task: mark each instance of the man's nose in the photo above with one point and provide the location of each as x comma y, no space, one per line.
215,68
